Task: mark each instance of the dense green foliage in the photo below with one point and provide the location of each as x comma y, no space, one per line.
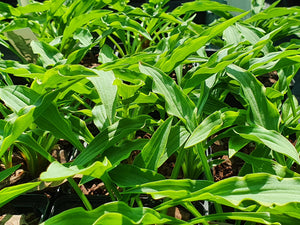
154,62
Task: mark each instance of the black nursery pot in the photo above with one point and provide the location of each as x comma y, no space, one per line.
66,202
26,204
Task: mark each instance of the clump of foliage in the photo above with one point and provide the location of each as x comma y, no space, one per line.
143,69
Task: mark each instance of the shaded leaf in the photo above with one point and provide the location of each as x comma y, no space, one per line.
126,175
151,154
167,87
262,112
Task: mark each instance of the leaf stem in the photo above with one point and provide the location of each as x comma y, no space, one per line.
200,149
83,198
178,164
290,96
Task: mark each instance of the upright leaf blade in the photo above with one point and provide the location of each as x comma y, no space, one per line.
178,55
151,154
104,85
109,137
270,138
214,123
177,103
262,111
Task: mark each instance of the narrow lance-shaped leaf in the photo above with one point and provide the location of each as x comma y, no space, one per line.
116,154
80,21
9,193
58,172
128,175
109,137
125,23
152,152
256,217
104,84
169,188
270,138
273,12
263,165
35,146
274,61
203,6
262,112
214,123
177,138
178,55
262,188
112,213
49,55
58,126
29,106
177,103
6,173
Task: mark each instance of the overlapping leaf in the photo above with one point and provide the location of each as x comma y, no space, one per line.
262,112
58,172
112,213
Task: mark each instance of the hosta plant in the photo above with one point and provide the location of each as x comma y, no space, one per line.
156,77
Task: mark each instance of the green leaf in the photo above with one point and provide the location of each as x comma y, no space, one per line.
125,23
61,76
244,192
58,172
125,62
8,11
151,154
177,138
104,84
29,107
9,193
79,22
106,54
117,213
256,217
116,154
274,61
31,143
126,175
235,144
33,8
6,173
263,165
49,55
193,44
84,37
272,13
203,6
164,85
110,136
127,91
18,69
262,112
60,127
169,188
270,138
214,123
